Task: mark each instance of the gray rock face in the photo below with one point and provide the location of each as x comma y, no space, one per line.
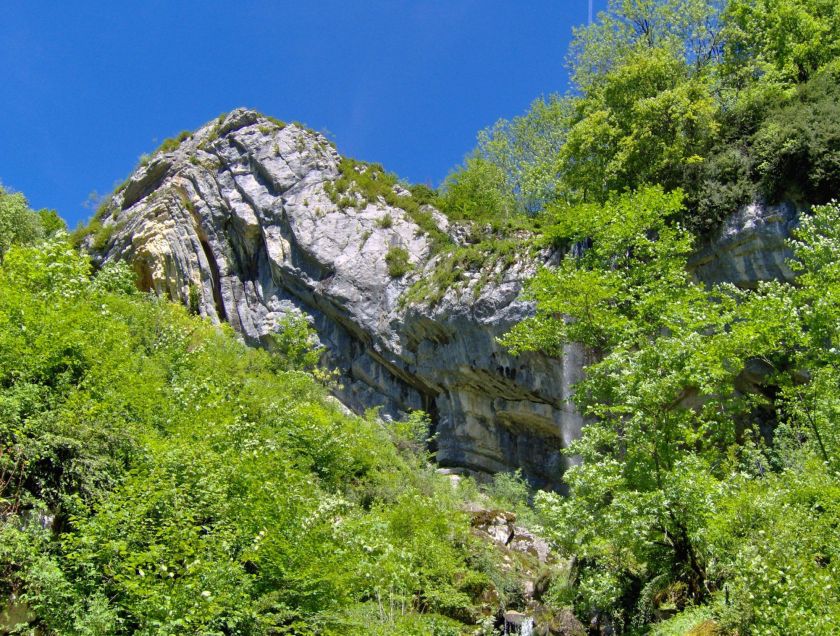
749,247
237,222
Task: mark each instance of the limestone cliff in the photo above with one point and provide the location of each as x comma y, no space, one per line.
238,221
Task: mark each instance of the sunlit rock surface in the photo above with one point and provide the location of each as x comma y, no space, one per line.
236,222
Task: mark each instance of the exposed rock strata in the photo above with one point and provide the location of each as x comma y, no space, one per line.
238,217
237,222
749,247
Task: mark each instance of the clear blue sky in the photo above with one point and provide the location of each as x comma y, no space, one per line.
86,88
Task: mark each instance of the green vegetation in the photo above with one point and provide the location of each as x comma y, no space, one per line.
18,224
159,477
706,496
280,124
361,184
727,101
397,259
489,257
172,143
683,498
97,227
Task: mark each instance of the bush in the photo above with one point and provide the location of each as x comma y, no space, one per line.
295,344
398,262
102,233
196,485
719,186
18,224
797,148
477,191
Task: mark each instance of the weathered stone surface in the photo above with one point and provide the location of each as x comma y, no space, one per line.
238,218
500,526
238,215
562,622
749,247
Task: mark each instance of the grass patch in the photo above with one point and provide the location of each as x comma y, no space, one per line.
398,263
280,124
372,184
490,257
173,143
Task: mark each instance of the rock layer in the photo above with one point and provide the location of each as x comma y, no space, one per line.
237,223
749,247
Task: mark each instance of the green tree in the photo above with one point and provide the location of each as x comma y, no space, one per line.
51,222
647,121
690,30
669,417
477,191
18,224
524,147
787,40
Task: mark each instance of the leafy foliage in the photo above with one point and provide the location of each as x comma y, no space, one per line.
729,101
512,170
701,479
157,476
787,40
397,260
797,148
677,449
18,224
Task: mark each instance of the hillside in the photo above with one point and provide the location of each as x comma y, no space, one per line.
590,384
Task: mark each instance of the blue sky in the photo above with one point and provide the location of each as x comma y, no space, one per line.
86,88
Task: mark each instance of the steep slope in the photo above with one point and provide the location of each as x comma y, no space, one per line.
240,222
237,223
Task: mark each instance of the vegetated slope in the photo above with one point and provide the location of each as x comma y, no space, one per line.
703,502
158,476
704,495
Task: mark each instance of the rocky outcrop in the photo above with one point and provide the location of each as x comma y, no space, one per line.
749,247
238,223
528,563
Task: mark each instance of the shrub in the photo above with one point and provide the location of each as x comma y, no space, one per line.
370,183
398,262
199,485
295,344
797,148
477,191
719,186
102,236
194,299
18,224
